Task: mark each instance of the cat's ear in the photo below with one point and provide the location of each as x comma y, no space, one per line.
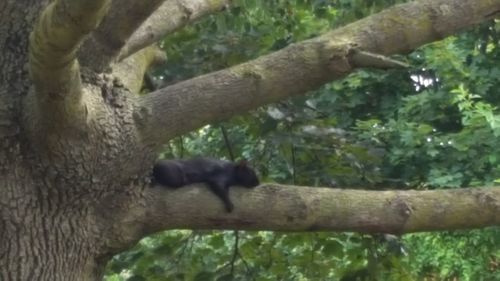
242,163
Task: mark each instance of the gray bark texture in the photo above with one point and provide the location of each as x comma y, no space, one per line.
77,144
52,180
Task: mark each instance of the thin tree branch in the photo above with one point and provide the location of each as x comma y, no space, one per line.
227,142
169,17
55,38
367,59
131,71
247,267
304,66
236,247
105,44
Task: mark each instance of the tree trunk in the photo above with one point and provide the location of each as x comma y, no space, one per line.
50,185
48,243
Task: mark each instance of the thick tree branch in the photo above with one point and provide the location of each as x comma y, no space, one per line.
169,17
293,208
304,66
125,16
61,28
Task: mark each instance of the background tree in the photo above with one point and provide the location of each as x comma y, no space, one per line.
78,143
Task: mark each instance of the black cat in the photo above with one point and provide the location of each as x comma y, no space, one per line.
218,174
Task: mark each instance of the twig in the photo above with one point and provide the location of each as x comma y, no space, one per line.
236,252
227,142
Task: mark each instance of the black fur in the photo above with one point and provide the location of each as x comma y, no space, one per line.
218,174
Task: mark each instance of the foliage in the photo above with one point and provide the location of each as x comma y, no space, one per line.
466,255
432,126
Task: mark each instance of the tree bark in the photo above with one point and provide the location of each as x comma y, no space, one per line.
77,146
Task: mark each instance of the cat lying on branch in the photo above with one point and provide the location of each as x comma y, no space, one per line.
219,175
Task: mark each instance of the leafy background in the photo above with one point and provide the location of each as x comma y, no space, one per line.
435,125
